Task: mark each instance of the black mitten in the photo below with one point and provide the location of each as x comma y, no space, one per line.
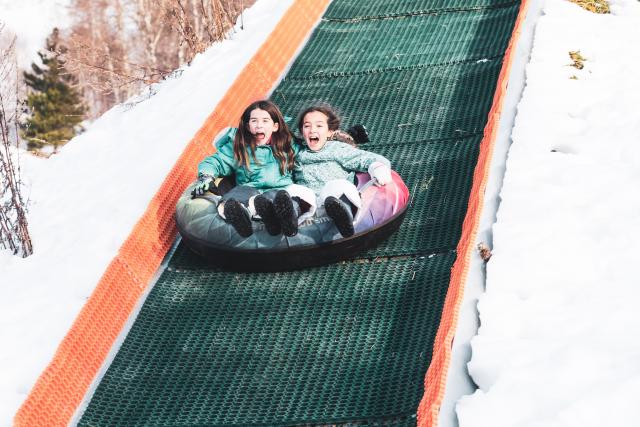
359,134
204,184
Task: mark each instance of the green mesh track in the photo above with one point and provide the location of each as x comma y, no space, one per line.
348,343
404,105
374,46
378,9
216,348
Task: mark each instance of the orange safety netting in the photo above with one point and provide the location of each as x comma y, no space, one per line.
436,378
61,387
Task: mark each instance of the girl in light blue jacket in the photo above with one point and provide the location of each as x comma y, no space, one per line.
326,166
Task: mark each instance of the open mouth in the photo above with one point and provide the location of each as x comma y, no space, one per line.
314,139
259,135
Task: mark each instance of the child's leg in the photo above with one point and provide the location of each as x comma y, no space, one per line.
240,193
283,210
340,212
288,211
342,203
306,199
345,191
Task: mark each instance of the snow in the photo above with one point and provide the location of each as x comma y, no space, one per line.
85,201
558,325
556,345
33,21
458,381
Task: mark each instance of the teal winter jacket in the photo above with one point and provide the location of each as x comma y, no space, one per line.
261,175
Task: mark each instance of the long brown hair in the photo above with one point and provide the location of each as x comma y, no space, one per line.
280,139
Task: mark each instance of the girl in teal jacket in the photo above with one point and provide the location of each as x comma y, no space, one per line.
261,156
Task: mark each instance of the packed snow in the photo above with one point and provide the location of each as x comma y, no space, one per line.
556,344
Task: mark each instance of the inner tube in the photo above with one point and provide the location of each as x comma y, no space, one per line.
318,241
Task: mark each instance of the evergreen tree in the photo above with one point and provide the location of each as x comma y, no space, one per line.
54,104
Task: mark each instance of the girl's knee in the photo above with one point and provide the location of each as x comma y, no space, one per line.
341,188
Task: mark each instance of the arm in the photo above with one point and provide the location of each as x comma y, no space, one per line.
221,163
376,165
354,159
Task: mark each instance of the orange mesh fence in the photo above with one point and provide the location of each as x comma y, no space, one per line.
61,387
436,378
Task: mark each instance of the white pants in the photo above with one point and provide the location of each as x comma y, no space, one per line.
341,187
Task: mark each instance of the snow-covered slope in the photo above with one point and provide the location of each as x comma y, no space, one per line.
558,341
85,200
557,344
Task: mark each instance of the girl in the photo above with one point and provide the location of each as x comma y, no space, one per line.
260,155
328,167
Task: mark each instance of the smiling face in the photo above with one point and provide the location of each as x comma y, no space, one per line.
315,130
262,126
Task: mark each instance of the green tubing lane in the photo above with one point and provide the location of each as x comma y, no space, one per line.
404,106
335,343
347,343
379,9
377,45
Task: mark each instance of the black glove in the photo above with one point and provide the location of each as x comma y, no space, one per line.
202,186
359,134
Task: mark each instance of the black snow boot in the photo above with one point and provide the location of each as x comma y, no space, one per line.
238,216
287,211
340,213
264,208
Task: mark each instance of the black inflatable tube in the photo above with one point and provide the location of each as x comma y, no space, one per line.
294,258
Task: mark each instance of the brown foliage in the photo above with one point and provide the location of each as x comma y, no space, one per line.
577,59
485,251
595,6
118,46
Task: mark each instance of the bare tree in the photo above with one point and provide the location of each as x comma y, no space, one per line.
103,55
200,23
14,231
116,47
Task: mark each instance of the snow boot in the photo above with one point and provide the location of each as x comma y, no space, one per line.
287,211
341,214
238,216
264,208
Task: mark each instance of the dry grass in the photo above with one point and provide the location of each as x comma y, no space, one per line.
485,251
595,6
578,60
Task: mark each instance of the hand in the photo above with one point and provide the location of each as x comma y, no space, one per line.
202,186
380,173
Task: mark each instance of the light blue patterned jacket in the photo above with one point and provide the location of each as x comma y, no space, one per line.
336,160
